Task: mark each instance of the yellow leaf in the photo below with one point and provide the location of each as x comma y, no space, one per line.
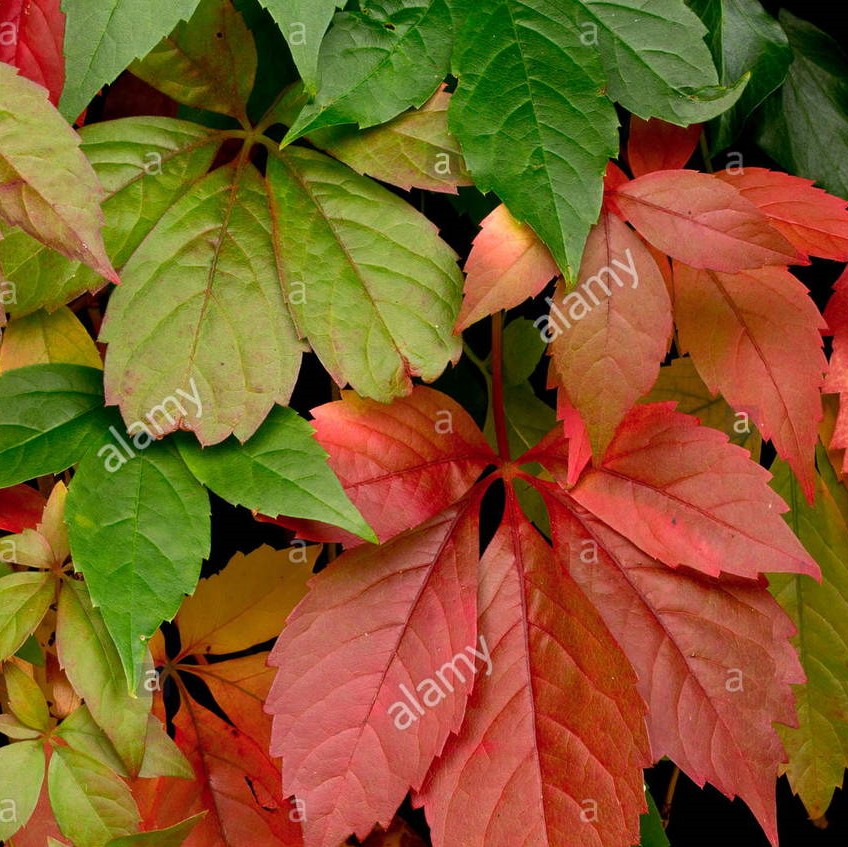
248,602
44,337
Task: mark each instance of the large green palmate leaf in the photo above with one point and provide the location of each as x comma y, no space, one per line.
532,112
804,125
303,24
818,748
144,164
49,415
201,312
102,37
376,63
139,529
282,470
743,37
208,62
47,187
369,282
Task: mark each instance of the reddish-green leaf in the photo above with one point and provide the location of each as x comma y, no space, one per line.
20,508
655,145
735,326
836,382
701,220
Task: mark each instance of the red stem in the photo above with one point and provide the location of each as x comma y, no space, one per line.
497,386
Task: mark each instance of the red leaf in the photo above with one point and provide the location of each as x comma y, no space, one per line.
836,382
353,656
815,222
507,264
701,220
655,145
37,28
685,496
555,729
400,464
713,657
611,333
736,326
614,178
21,508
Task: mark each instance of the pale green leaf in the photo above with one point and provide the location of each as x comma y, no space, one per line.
282,470
376,63
81,732
139,534
47,187
21,776
93,666
368,280
102,37
91,804
208,62
24,600
162,757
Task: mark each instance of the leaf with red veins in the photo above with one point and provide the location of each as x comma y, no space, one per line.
713,657
684,495
21,507
701,220
35,46
836,382
554,742
402,463
655,145
736,326
357,659
815,222
508,263
610,333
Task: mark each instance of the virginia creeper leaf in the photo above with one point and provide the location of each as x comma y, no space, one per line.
91,803
139,533
201,311
836,381
207,62
81,732
93,666
655,145
734,326
49,189
20,508
35,46
651,826
804,125
21,776
24,600
25,698
507,264
818,748
376,63
173,836
49,415
357,673
344,271
102,37
518,748
610,355
281,470
701,220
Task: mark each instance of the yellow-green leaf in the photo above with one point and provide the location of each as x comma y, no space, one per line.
21,776
24,600
26,700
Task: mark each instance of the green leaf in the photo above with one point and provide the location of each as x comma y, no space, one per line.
26,700
102,37
208,62
173,836
24,600
49,415
804,125
523,348
303,24
542,147
282,470
650,824
743,37
93,666
375,64
47,188
21,776
818,748
201,312
139,534
81,732
377,300
30,651
162,757
656,60
144,164
91,804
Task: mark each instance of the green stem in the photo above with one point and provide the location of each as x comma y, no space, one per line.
498,409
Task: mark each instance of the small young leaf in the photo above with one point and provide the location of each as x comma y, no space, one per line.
26,700
21,776
21,507
655,145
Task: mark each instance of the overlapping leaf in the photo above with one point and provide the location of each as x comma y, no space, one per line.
836,381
